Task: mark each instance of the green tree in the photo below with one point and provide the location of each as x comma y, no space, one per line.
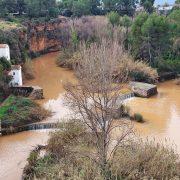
126,22
81,7
148,5
42,8
150,37
136,34
21,6
5,63
174,18
177,5
126,7
109,5
123,7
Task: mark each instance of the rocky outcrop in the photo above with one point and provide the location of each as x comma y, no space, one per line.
47,36
35,38
143,89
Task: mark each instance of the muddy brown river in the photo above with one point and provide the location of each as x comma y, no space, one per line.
161,113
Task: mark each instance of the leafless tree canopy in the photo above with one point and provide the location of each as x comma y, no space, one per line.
96,97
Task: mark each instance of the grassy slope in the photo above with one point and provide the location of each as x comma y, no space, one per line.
18,111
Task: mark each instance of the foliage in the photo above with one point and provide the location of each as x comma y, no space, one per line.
6,65
78,8
68,155
141,71
173,18
65,58
138,117
113,18
150,37
123,7
19,111
145,160
4,78
126,21
148,5
169,66
33,8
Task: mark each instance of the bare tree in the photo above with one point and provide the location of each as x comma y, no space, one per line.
96,97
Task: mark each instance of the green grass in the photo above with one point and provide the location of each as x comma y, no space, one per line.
18,111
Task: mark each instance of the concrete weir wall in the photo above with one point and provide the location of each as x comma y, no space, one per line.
34,92
29,127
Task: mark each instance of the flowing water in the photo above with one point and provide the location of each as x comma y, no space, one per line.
161,113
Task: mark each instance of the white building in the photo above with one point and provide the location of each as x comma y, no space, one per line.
5,51
16,73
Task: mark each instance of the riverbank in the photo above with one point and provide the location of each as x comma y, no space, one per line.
19,111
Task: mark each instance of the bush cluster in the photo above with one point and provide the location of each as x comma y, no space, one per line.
68,155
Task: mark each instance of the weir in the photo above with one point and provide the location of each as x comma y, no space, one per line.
125,97
29,127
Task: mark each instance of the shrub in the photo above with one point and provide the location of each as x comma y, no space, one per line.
141,71
169,66
5,63
64,59
138,117
113,18
145,160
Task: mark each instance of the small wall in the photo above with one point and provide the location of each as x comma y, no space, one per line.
22,90
34,92
29,127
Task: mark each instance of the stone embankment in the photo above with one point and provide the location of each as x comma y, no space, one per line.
33,92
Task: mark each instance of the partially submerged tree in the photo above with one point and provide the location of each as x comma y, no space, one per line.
96,98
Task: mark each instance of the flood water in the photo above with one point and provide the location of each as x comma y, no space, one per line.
161,113
14,150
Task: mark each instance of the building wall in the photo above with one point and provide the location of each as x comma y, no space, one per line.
5,52
17,78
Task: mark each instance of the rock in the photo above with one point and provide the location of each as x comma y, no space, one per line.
143,89
37,93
